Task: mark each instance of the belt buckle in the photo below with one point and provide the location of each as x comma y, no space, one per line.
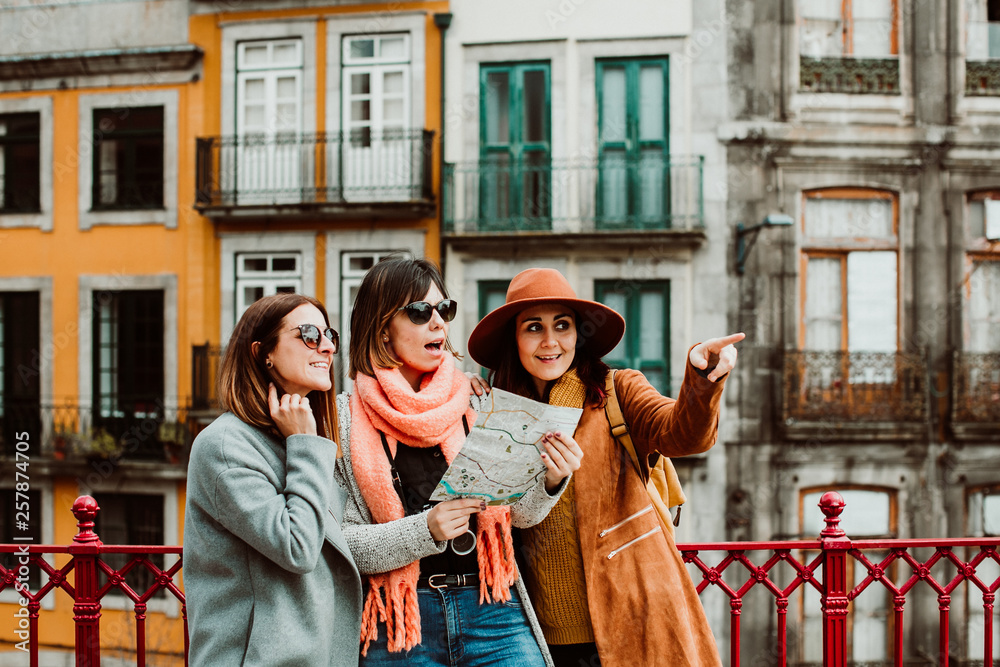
430,581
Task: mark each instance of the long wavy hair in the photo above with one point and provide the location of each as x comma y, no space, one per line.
244,377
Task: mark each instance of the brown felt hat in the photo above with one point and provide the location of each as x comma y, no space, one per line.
599,328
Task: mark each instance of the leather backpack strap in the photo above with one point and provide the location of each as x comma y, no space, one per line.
619,429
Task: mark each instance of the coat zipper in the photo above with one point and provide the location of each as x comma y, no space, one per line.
631,542
648,508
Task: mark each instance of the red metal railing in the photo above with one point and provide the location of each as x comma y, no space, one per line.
86,591
828,571
835,557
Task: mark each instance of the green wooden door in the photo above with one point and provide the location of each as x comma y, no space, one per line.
515,147
633,174
645,305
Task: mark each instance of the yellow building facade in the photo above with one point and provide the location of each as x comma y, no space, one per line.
156,177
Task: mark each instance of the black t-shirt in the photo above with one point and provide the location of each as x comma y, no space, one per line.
420,469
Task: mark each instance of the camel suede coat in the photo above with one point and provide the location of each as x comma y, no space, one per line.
643,604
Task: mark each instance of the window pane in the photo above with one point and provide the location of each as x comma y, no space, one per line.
254,56
284,264
361,84
285,289
991,514
392,83
872,28
255,264
984,307
361,262
392,47
286,54
652,115
867,513
534,106
361,111
871,301
392,112
251,294
497,108
652,316
823,309
613,104
362,48
848,218
616,302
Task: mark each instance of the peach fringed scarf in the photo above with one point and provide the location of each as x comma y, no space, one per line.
432,416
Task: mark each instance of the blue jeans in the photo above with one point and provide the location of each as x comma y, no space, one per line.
457,631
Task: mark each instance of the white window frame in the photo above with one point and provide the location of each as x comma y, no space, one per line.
234,244
270,73
269,280
43,219
49,343
235,33
339,30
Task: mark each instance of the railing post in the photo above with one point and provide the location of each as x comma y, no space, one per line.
86,607
835,545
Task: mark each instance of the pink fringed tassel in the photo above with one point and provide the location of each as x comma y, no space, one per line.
399,611
497,572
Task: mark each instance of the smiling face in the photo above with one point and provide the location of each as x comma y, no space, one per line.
420,348
546,342
299,369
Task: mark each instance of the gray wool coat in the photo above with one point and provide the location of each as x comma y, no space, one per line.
387,546
268,575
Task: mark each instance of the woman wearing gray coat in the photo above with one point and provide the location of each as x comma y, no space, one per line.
267,573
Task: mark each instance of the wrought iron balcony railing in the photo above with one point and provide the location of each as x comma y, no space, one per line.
147,432
982,78
976,388
849,75
832,585
573,196
854,386
314,173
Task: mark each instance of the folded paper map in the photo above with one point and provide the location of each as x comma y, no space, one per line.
502,456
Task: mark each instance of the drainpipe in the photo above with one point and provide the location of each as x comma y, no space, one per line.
442,21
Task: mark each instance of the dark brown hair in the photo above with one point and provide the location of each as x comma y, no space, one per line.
243,375
388,286
510,375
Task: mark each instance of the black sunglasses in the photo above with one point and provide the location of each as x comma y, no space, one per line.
310,336
420,312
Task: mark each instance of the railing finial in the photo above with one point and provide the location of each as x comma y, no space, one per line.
832,504
85,510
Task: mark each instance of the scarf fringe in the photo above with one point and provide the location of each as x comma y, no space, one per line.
395,605
495,553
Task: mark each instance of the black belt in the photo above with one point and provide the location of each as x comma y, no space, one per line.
448,580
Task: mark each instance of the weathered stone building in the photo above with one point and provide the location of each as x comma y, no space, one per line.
873,354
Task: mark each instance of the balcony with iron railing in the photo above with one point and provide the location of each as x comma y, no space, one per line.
71,433
861,393
824,592
606,198
325,175
975,407
982,58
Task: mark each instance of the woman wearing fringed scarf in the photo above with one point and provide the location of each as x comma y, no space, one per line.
442,586
604,574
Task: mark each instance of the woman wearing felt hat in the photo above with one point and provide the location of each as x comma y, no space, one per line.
602,569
